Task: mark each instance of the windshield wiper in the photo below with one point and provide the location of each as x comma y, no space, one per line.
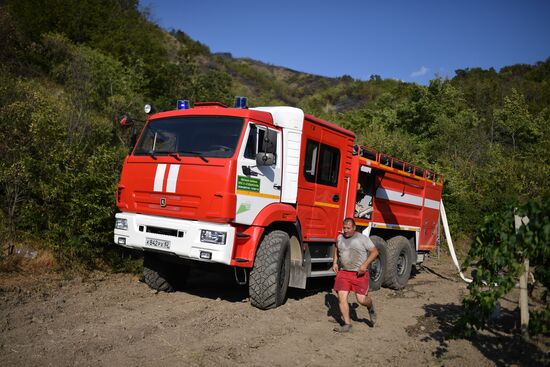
175,155
152,154
196,154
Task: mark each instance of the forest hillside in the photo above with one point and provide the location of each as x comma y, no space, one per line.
67,73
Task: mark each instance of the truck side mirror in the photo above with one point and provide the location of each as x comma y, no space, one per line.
271,142
126,122
265,159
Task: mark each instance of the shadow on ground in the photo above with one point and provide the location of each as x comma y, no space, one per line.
213,285
313,287
334,314
223,285
499,342
431,271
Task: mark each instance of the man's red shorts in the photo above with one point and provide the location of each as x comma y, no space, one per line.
350,281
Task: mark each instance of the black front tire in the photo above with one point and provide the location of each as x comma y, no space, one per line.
269,277
161,275
399,263
377,269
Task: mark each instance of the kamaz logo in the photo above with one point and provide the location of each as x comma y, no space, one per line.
162,202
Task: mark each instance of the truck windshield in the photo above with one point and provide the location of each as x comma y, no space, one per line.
204,136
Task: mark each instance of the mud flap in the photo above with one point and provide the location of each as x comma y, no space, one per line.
299,271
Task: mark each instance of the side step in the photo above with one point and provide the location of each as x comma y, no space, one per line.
317,260
321,267
322,273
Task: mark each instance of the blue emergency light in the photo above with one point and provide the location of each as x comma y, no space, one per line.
240,102
183,104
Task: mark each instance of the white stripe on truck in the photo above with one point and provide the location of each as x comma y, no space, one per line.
159,177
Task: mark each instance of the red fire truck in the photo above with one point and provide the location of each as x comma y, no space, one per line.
264,190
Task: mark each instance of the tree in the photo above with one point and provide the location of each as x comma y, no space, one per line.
514,123
22,105
498,253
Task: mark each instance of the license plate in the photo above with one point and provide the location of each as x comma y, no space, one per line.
153,242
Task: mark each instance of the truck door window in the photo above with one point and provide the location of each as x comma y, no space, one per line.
326,171
251,143
310,166
365,190
329,163
260,140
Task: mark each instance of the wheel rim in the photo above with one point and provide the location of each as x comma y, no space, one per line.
401,263
375,270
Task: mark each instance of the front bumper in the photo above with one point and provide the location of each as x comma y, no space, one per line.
182,237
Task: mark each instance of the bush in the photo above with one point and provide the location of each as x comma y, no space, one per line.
498,254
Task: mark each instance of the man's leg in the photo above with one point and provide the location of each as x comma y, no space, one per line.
366,301
344,306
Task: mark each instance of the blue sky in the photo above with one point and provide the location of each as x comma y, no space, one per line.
407,40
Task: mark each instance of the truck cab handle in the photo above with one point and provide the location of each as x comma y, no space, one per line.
248,172
335,198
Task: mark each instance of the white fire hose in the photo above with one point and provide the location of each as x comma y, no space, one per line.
367,230
450,242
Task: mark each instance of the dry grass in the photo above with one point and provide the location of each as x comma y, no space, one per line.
43,261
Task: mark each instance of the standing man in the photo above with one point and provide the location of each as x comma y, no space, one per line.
353,254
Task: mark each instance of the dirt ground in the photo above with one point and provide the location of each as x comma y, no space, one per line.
115,320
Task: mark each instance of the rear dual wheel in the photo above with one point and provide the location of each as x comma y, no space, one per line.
378,267
400,259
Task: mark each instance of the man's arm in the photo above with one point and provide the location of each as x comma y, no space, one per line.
365,266
335,258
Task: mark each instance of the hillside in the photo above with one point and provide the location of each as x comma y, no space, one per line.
66,74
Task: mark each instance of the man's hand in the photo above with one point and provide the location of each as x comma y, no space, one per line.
362,269
335,267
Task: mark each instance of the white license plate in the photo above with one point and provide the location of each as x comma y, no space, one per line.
153,242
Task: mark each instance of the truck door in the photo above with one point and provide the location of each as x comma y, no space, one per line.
258,185
321,170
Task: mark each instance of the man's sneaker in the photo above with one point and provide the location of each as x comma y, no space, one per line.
343,329
372,314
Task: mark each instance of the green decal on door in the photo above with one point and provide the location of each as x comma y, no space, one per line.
248,184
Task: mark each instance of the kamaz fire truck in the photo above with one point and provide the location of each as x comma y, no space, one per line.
264,190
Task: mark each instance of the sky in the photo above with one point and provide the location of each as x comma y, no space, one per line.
408,40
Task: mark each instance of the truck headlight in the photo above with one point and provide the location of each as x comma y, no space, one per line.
121,223
215,237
